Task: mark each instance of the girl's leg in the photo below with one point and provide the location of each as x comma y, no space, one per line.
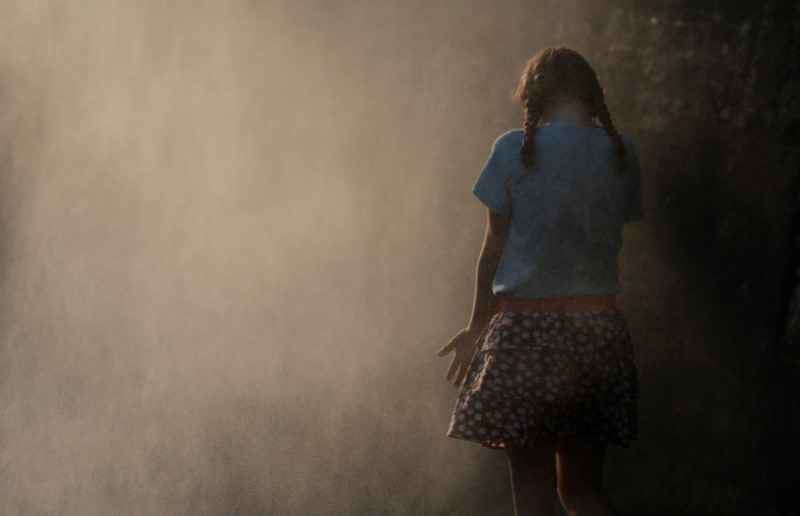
580,478
533,479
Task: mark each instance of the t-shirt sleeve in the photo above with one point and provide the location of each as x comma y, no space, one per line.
491,188
635,205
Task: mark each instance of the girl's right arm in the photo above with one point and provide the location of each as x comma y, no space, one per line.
464,342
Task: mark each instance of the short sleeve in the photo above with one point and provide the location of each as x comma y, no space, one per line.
491,188
635,205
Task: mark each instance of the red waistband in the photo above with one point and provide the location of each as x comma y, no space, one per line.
556,304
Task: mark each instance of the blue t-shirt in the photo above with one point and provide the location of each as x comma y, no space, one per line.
567,211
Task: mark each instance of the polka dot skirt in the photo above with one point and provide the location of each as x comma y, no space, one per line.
545,376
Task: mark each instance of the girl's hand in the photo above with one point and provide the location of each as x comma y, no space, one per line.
464,344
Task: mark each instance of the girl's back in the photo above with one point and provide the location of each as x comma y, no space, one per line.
566,211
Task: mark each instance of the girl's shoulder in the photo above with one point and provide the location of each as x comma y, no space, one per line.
557,134
512,136
508,140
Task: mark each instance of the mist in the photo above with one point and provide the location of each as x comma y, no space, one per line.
234,234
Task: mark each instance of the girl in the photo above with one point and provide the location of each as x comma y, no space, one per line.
546,363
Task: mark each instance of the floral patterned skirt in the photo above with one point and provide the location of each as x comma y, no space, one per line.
546,376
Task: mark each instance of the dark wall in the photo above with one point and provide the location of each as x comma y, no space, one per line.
715,109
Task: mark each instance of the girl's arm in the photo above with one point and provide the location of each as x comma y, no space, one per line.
464,342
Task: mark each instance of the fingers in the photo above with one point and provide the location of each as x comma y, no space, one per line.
461,375
453,344
453,369
447,348
458,369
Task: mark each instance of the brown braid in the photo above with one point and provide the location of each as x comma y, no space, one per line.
533,111
605,118
552,75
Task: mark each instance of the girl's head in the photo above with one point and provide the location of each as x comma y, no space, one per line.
559,74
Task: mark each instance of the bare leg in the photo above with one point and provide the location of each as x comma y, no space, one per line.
533,479
580,478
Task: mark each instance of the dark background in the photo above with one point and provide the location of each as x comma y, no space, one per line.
233,236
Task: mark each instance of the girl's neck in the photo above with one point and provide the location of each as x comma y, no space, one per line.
568,111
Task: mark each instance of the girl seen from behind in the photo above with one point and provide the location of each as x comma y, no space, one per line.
545,364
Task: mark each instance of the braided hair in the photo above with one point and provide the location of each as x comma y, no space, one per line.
553,74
